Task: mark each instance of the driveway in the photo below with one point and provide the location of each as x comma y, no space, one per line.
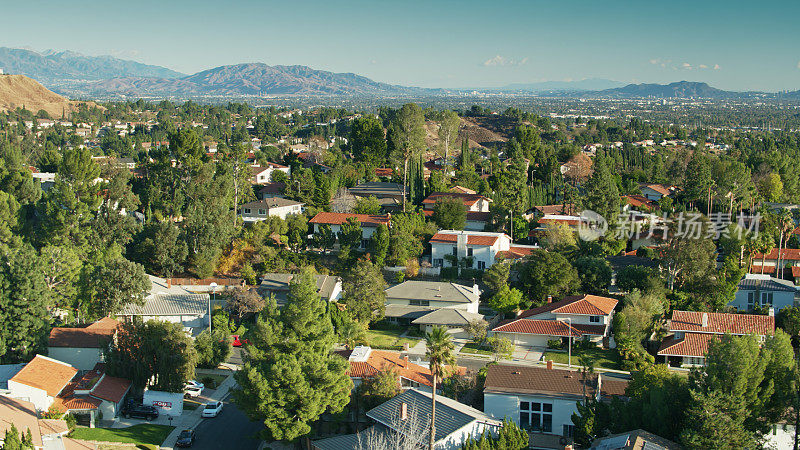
526,353
231,429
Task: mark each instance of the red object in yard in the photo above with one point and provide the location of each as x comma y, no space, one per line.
237,342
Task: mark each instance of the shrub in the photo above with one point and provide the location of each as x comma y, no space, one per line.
555,343
399,277
449,273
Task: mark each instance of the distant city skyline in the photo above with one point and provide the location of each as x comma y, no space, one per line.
734,45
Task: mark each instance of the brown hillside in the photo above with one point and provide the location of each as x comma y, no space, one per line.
17,91
481,132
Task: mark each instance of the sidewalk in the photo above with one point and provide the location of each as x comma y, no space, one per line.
190,419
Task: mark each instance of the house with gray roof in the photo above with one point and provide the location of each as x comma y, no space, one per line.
410,300
764,291
406,418
277,284
269,207
389,195
170,303
453,319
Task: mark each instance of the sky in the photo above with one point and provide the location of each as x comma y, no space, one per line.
733,44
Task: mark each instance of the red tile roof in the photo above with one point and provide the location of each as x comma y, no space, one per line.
366,220
756,268
692,344
639,201
587,304
549,328
514,252
472,239
467,199
383,172
379,361
95,335
660,188
556,209
796,271
692,321
568,222
46,374
788,254
111,388
477,216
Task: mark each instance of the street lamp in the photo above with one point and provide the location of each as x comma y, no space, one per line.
569,343
214,293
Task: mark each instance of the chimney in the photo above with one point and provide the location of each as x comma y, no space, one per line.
549,299
405,361
705,320
549,364
403,411
475,289
169,283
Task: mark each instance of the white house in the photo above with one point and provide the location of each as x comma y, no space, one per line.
543,400
756,290
82,347
587,317
269,207
407,417
369,223
692,331
483,247
263,174
170,303
41,381
473,202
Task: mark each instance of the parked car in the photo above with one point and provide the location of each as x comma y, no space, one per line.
192,391
185,439
237,342
140,411
212,409
194,383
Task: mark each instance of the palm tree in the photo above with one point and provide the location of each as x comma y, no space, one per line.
440,353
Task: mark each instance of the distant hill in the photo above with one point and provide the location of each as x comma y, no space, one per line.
253,79
68,68
680,89
17,91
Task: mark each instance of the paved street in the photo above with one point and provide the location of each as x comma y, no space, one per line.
231,429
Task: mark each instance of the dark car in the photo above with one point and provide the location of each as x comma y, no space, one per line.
185,439
140,411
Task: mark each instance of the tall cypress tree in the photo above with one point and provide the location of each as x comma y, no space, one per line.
291,377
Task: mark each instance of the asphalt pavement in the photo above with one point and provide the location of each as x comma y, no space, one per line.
230,430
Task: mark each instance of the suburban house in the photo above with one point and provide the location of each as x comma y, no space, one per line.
366,363
82,348
263,174
23,415
656,192
638,203
390,195
269,207
41,381
586,317
634,440
542,400
764,291
535,212
407,417
329,287
448,246
430,303
455,320
335,220
270,190
691,332
768,263
476,220
473,202
171,303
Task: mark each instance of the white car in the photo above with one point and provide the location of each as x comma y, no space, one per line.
192,392
195,384
212,409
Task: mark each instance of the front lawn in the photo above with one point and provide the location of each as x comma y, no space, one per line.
145,433
210,380
607,359
474,349
388,339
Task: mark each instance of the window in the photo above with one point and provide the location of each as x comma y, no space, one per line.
438,262
455,251
419,302
247,210
751,300
481,265
766,298
262,212
594,319
469,251
568,430
536,416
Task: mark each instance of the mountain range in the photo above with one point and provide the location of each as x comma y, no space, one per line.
77,75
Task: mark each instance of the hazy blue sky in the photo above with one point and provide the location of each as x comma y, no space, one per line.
730,44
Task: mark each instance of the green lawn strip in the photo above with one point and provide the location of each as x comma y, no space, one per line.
138,434
387,339
607,359
473,348
215,379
